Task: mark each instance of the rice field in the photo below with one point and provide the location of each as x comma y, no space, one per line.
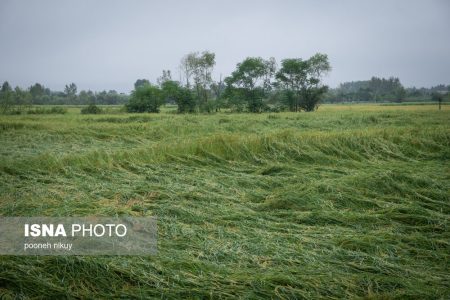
351,201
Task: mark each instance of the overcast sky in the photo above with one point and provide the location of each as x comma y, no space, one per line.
109,44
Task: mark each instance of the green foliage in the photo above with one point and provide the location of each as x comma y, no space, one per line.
6,87
141,82
400,94
39,93
185,101
437,97
91,109
70,92
298,82
301,79
19,99
182,96
6,98
146,98
87,97
249,83
290,99
47,111
311,97
166,76
376,89
13,101
199,67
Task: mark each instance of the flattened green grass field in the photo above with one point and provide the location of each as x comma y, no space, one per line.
351,201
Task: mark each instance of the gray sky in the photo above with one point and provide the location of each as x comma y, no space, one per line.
109,44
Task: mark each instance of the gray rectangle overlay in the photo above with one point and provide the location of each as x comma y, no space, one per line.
78,235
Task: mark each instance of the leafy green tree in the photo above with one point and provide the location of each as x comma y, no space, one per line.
37,91
187,64
108,97
185,101
400,93
22,99
6,87
6,98
199,67
141,82
40,94
70,92
86,97
91,109
169,90
301,80
217,89
376,89
290,99
250,82
146,98
436,96
166,76
182,96
70,89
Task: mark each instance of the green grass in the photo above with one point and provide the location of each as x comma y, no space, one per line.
351,201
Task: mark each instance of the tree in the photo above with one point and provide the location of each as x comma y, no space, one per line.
182,96
37,91
6,87
185,101
301,80
70,92
13,101
146,98
169,90
217,89
199,66
22,99
91,109
141,82
87,97
6,98
375,89
204,65
166,76
436,96
185,69
400,93
250,82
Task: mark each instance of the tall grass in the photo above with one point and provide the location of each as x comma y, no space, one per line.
341,203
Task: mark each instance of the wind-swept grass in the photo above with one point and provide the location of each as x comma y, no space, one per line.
347,202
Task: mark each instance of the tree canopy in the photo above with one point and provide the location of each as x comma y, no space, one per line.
301,81
146,98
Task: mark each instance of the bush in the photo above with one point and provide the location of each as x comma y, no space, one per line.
185,101
173,92
47,111
145,98
92,109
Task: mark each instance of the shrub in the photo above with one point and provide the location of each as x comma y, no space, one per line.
92,109
47,111
145,98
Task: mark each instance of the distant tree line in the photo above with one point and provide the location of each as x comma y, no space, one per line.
256,85
381,90
17,99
